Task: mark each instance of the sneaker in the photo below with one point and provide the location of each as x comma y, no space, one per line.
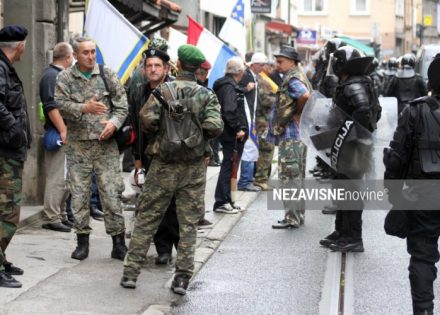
12,270
128,283
180,284
263,186
251,187
8,281
226,208
330,239
237,206
284,224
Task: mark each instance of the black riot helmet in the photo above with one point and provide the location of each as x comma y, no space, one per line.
392,63
348,60
375,64
332,45
408,60
434,74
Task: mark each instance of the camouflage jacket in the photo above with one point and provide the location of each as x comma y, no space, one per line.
285,105
205,107
266,97
73,89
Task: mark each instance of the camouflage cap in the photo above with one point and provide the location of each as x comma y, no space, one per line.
158,43
190,55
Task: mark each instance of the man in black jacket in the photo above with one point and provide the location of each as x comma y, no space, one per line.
15,139
235,131
413,154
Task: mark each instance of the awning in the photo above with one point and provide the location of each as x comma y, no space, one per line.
367,50
279,27
148,16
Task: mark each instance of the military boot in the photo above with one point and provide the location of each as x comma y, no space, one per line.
180,284
330,239
119,249
81,251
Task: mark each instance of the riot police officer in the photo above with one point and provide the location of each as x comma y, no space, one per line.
327,84
412,155
355,96
376,76
389,72
406,84
329,81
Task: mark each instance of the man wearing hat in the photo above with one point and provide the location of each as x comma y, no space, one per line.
407,160
183,178
155,70
284,130
266,97
15,139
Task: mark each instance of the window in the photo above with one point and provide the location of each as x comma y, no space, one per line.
360,7
314,6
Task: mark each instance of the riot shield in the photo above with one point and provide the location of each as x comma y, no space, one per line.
343,143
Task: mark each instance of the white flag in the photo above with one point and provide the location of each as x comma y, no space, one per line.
233,31
119,44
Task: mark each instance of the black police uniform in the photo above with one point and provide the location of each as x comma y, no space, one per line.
404,161
406,89
357,98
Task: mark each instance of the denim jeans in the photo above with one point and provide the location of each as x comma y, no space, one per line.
246,174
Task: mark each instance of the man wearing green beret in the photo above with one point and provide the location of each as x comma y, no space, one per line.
175,170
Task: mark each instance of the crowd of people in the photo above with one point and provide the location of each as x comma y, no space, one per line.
178,126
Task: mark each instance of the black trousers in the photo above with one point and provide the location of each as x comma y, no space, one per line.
422,271
167,234
223,188
349,222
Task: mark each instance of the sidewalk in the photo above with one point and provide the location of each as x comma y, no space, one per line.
54,283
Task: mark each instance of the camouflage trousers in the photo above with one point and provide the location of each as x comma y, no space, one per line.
292,156
187,182
11,172
265,157
84,157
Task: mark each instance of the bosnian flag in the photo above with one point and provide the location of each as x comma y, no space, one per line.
215,51
233,31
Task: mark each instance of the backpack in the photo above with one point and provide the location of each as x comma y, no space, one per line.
181,134
427,138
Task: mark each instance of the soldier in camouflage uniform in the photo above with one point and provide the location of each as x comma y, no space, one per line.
266,96
291,98
15,139
91,122
184,179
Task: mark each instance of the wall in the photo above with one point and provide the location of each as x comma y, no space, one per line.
39,17
339,19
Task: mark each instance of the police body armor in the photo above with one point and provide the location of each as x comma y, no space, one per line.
405,86
328,85
425,115
356,97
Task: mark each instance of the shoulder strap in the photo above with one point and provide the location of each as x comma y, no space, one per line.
102,75
159,97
